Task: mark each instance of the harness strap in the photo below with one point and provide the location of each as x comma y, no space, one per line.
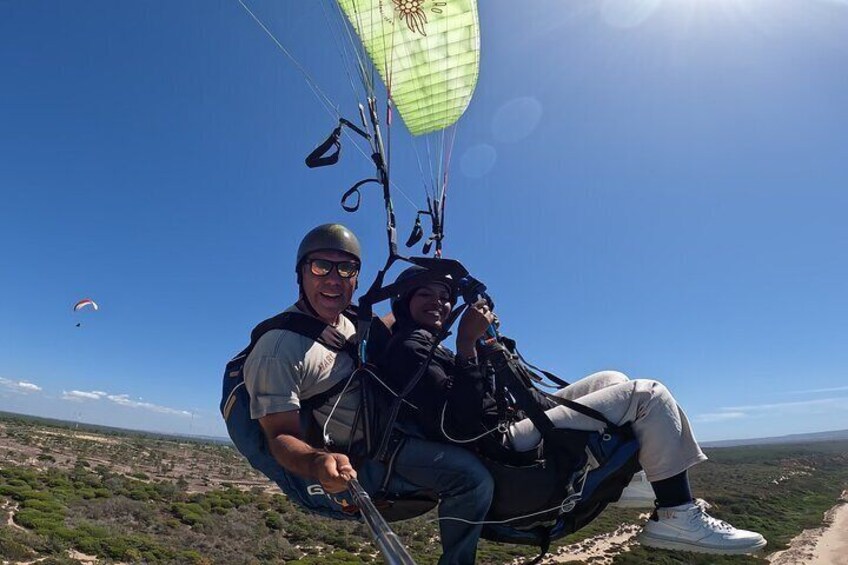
582,408
507,372
314,329
354,191
322,397
320,156
514,376
383,451
511,346
544,544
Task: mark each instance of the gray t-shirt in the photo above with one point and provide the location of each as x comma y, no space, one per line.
286,367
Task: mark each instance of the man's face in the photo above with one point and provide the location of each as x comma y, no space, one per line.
330,294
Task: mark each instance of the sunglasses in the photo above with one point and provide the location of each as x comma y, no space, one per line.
323,267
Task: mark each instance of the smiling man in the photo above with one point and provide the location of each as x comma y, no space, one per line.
285,367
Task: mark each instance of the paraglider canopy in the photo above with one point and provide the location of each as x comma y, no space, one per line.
427,53
85,302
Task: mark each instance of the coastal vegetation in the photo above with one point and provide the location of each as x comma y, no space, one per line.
69,492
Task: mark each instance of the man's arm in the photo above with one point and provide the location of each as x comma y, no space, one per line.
332,470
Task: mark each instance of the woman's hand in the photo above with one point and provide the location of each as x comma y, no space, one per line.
474,323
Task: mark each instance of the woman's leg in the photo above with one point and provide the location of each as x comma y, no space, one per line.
588,385
667,445
667,448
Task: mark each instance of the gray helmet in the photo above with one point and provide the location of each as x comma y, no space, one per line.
328,237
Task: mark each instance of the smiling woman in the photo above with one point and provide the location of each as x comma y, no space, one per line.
430,305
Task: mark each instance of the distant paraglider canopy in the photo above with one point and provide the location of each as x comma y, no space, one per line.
85,302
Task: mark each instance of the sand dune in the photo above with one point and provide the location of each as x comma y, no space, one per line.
827,545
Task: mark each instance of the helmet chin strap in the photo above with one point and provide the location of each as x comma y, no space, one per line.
304,304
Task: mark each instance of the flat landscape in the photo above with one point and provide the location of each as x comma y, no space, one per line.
78,494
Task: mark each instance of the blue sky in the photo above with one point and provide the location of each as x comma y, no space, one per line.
655,186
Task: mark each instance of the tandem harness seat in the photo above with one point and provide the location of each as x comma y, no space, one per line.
539,496
568,480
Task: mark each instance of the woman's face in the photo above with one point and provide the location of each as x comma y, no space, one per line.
430,306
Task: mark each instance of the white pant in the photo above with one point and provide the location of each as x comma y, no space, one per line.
666,444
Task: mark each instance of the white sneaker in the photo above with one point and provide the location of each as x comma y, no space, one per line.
637,494
688,527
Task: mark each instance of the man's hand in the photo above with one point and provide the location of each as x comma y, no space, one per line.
332,470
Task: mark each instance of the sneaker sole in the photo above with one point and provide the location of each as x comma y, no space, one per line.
633,503
663,543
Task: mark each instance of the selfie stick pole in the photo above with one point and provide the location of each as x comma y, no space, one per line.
385,539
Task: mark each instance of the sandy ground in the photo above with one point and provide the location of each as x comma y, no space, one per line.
598,550
79,556
79,435
827,545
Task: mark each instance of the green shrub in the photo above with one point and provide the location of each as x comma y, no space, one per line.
41,522
190,513
11,549
273,521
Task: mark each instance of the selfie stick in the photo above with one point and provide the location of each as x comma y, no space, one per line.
385,539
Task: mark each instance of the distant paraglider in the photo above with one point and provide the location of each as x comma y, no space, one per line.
85,302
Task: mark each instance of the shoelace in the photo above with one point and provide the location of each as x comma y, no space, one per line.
701,515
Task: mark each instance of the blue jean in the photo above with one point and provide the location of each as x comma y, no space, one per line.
464,487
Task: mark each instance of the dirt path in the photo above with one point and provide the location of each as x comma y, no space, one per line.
11,508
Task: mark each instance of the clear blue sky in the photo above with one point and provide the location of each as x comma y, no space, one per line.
654,186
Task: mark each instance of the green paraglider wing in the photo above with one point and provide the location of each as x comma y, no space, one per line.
427,52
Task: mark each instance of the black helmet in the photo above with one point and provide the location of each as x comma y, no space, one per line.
400,301
328,237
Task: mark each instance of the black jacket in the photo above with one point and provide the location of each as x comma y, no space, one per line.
460,385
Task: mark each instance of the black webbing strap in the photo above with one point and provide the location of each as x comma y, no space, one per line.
544,544
321,398
506,371
510,372
550,376
307,326
510,344
319,156
582,408
316,330
501,401
385,442
354,191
